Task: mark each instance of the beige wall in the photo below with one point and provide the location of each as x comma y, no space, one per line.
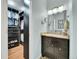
4,30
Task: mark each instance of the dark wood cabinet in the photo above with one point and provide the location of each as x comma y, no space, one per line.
55,48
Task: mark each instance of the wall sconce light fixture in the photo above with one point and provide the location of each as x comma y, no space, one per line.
56,10
44,20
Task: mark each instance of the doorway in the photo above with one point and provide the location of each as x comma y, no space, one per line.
18,29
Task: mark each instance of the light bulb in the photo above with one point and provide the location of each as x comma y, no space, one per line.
50,12
61,8
55,10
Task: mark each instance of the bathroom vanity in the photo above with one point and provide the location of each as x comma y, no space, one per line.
55,45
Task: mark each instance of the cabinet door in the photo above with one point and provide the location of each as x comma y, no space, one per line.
61,47
47,47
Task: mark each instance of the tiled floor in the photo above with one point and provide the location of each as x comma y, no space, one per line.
16,52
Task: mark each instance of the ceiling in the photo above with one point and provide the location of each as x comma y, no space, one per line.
55,3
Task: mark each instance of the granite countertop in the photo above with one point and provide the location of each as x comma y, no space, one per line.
55,34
